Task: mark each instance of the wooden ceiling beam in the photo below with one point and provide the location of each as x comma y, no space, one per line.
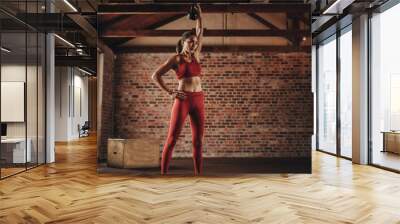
166,21
115,42
202,1
294,24
212,33
120,41
263,21
129,8
224,48
112,21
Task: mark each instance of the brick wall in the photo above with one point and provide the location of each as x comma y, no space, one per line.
258,104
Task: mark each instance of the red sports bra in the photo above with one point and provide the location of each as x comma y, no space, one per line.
187,69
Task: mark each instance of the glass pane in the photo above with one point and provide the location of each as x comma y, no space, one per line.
314,76
327,96
23,88
385,89
41,98
31,98
13,88
346,93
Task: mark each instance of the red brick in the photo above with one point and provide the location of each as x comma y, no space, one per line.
258,104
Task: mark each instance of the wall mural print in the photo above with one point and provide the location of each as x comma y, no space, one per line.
206,89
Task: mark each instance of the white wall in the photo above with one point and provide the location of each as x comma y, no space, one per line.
16,73
61,103
12,73
81,85
33,127
71,102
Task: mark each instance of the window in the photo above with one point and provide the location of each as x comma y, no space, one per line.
385,88
327,95
346,92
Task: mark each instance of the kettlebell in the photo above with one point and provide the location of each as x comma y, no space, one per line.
192,13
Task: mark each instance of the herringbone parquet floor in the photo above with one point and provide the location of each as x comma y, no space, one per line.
70,191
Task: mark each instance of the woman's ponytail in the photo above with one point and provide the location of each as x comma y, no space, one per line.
179,46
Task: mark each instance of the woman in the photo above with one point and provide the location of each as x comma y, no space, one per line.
188,98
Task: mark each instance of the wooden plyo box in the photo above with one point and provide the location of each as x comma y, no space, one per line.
391,142
133,153
115,153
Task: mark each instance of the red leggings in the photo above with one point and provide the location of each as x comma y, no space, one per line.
193,105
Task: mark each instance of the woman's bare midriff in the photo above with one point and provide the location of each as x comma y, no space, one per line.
190,84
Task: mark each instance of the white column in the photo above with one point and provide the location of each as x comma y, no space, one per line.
62,103
50,80
360,90
50,93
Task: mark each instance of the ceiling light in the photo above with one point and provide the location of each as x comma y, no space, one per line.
64,40
5,50
70,5
86,72
80,51
326,11
338,6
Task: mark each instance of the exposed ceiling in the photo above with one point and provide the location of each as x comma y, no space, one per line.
239,23
328,16
22,48
153,26
73,44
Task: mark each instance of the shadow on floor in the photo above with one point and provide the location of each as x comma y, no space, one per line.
221,167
